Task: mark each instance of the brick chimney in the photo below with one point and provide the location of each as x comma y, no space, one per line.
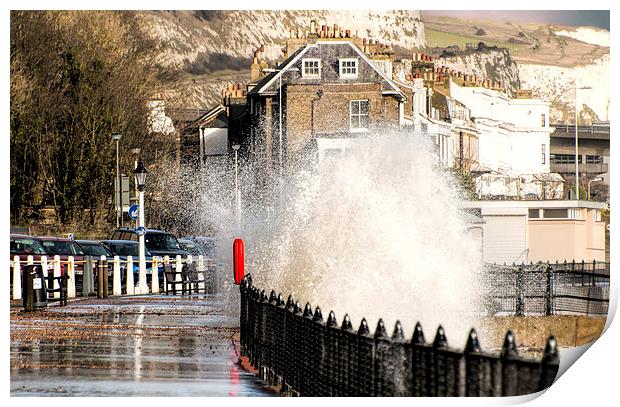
254,69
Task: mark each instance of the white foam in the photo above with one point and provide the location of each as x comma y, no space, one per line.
588,35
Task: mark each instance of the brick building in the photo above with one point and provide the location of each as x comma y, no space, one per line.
329,90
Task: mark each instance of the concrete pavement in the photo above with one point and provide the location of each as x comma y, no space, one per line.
131,346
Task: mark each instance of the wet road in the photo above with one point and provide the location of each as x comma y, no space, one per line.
138,346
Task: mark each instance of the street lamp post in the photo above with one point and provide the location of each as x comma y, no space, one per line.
237,191
119,208
140,174
597,179
577,138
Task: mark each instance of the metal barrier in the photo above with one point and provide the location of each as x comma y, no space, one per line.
309,357
107,276
544,289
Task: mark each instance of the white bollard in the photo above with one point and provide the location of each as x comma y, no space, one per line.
116,276
155,275
201,272
179,268
56,274
44,267
71,275
130,288
166,261
17,279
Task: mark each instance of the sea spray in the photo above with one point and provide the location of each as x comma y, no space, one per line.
374,232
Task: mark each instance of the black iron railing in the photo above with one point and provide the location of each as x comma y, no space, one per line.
304,355
544,289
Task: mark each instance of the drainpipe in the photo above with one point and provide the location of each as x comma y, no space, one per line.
319,95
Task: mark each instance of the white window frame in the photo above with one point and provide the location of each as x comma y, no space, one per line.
348,75
351,115
303,68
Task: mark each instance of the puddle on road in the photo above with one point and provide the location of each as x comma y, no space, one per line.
131,348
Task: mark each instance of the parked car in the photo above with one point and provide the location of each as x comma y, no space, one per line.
195,249
94,248
125,248
64,248
159,242
24,246
208,244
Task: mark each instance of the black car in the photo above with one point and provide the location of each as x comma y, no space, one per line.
93,248
158,242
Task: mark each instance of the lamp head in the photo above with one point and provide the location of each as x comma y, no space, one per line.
140,173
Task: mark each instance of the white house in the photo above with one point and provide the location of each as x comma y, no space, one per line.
514,133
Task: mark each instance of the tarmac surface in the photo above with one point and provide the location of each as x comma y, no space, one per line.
131,346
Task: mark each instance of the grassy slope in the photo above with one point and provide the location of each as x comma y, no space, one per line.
435,38
552,49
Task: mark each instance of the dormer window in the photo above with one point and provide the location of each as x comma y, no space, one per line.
311,68
348,67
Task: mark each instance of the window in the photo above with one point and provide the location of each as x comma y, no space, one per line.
358,115
563,158
594,159
534,213
311,68
543,120
348,68
544,150
555,213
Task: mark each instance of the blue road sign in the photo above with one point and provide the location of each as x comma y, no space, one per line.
133,211
140,231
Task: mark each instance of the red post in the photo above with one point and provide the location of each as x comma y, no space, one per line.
238,260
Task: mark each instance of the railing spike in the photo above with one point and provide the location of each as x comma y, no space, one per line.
308,311
418,335
331,320
363,329
346,323
280,301
318,316
440,338
398,334
380,331
551,354
297,308
509,348
473,344
290,303
272,297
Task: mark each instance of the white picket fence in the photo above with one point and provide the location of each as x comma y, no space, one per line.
131,287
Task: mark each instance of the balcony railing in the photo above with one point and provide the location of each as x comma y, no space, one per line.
587,168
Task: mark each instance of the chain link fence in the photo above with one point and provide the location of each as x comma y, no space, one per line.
300,352
545,289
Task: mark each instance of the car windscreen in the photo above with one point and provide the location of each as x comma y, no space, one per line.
59,247
94,249
26,245
192,248
125,249
161,241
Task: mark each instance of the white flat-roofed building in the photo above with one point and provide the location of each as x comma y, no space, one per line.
514,133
